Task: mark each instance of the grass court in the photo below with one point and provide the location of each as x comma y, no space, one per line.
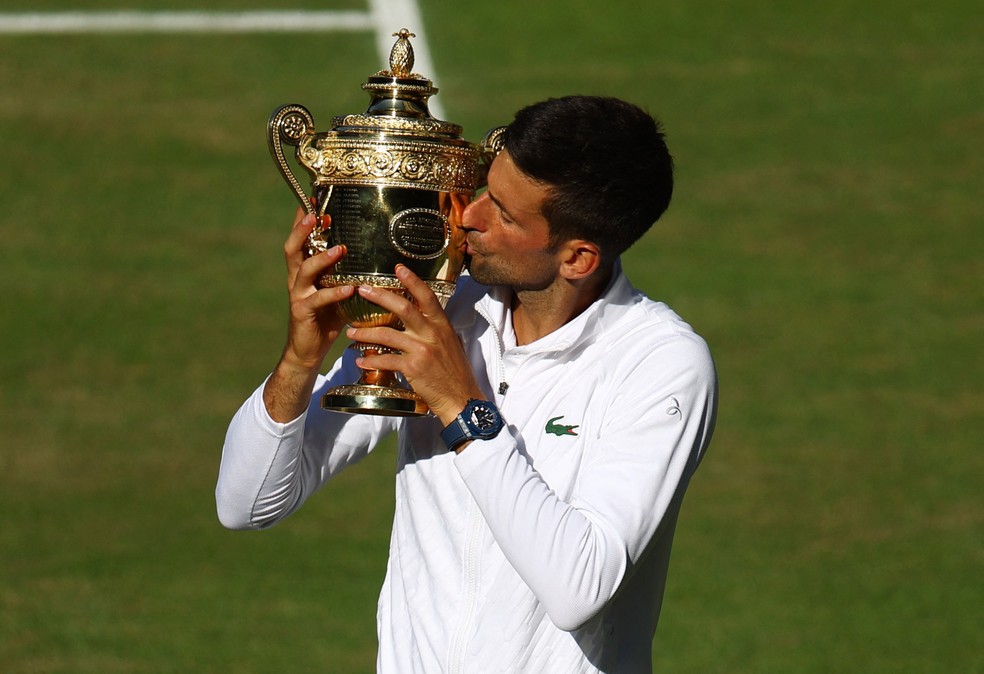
825,237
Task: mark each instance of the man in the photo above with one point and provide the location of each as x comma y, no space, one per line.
532,532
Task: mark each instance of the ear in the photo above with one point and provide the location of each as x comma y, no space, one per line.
579,259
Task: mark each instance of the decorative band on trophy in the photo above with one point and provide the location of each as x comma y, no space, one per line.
348,161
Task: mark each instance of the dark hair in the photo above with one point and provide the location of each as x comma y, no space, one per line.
605,161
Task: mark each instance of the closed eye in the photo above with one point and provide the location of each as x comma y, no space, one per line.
503,213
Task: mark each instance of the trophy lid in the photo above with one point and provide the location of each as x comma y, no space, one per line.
399,99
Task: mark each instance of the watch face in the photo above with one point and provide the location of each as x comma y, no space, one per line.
483,417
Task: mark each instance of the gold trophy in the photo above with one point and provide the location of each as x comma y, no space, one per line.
395,182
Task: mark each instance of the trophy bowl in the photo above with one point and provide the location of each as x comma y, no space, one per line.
395,182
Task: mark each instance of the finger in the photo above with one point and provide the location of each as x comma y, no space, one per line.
425,298
324,298
299,215
383,336
310,269
303,224
379,361
294,246
392,301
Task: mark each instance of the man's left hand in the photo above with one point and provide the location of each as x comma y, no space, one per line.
430,353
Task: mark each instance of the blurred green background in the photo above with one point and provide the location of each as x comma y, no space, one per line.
825,237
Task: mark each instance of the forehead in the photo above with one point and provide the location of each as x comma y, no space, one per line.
514,191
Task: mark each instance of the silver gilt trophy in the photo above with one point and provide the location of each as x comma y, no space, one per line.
395,182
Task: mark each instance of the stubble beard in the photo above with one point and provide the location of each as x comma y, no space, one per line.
491,274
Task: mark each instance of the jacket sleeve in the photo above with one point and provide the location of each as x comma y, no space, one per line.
574,555
269,469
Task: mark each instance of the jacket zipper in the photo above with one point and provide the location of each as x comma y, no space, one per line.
503,384
471,590
475,530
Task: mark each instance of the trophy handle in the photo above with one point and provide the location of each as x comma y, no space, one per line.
489,148
291,124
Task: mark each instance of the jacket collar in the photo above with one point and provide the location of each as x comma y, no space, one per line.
496,307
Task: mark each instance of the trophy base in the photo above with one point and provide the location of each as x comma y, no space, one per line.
369,399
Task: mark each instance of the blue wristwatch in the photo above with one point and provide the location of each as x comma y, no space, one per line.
480,420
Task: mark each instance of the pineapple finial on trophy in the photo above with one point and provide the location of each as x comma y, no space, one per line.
401,55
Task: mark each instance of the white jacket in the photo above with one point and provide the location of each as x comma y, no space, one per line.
544,549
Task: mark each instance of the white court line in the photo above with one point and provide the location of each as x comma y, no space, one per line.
384,18
183,22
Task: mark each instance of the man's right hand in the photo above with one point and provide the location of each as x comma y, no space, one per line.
313,326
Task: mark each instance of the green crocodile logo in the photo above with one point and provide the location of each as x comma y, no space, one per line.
560,429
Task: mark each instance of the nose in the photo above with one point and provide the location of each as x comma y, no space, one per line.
474,217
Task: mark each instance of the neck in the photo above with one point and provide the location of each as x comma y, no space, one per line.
537,313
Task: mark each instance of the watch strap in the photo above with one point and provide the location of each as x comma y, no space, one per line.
455,434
